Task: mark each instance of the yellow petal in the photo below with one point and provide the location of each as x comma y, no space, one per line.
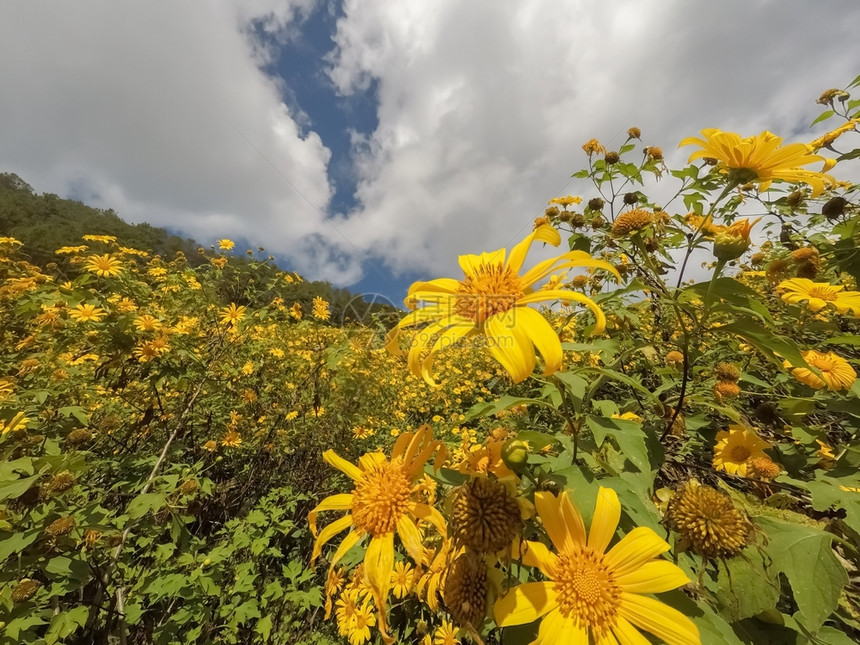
656,576
411,538
555,629
627,634
635,549
541,333
342,502
378,567
350,470
460,328
565,261
607,512
525,603
510,346
471,263
430,514
563,294
548,508
544,233
572,519
329,532
346,544
535,554
659,619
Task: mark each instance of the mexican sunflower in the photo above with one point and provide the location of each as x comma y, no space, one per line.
736,448
761,158
592,591
836,372
492,300
381,503
819,294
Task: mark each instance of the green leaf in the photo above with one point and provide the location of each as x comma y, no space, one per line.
628,435
264,627
823,117
16,542
63,566
17,488
484,409
143,504
775,348
65,624
746,589
805,556
843,340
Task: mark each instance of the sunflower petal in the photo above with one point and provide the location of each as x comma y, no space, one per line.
549,509
411,537
544,233
378,567
535,554
607,512
659,619
656,576
555,629
346,544
329,532
430,514
350,470
525,603
541,333
342,502
627,634
563,294
510,346
635,549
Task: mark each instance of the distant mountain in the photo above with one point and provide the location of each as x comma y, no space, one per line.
45,223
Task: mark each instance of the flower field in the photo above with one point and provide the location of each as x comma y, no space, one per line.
637,424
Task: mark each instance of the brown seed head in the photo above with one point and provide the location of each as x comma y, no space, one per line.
612,157
631,221
708,520
25,589
727,372
61,482
59,527
484,516
465,592
763,468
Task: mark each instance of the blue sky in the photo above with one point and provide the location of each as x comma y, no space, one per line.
370,143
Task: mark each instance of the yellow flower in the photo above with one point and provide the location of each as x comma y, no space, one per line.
736,447
492,300
232,315
85,313
100,238
320,309
64,250
733,242
225,244
380,504
232,439
819,294
835,370
362,621
446,634
592,595
827,139
146,322
402,579
705,225
569,200
628,416
19,420
761,158
592,146
103,265
296,311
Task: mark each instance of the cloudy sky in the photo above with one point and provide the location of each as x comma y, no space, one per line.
369,142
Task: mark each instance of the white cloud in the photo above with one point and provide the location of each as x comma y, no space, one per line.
149,106
483,107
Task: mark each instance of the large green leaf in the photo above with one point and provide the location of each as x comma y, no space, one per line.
628,435
804,555
746,589
775,348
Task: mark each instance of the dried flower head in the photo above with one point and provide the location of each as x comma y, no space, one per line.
484,515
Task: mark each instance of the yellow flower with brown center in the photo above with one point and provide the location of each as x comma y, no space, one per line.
402,579
380,504
103,265
708,521
232,314
492,300
231,439
631,221
836,373
736,447
147,322
761,159
591,594
820,294
320,309
86,313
